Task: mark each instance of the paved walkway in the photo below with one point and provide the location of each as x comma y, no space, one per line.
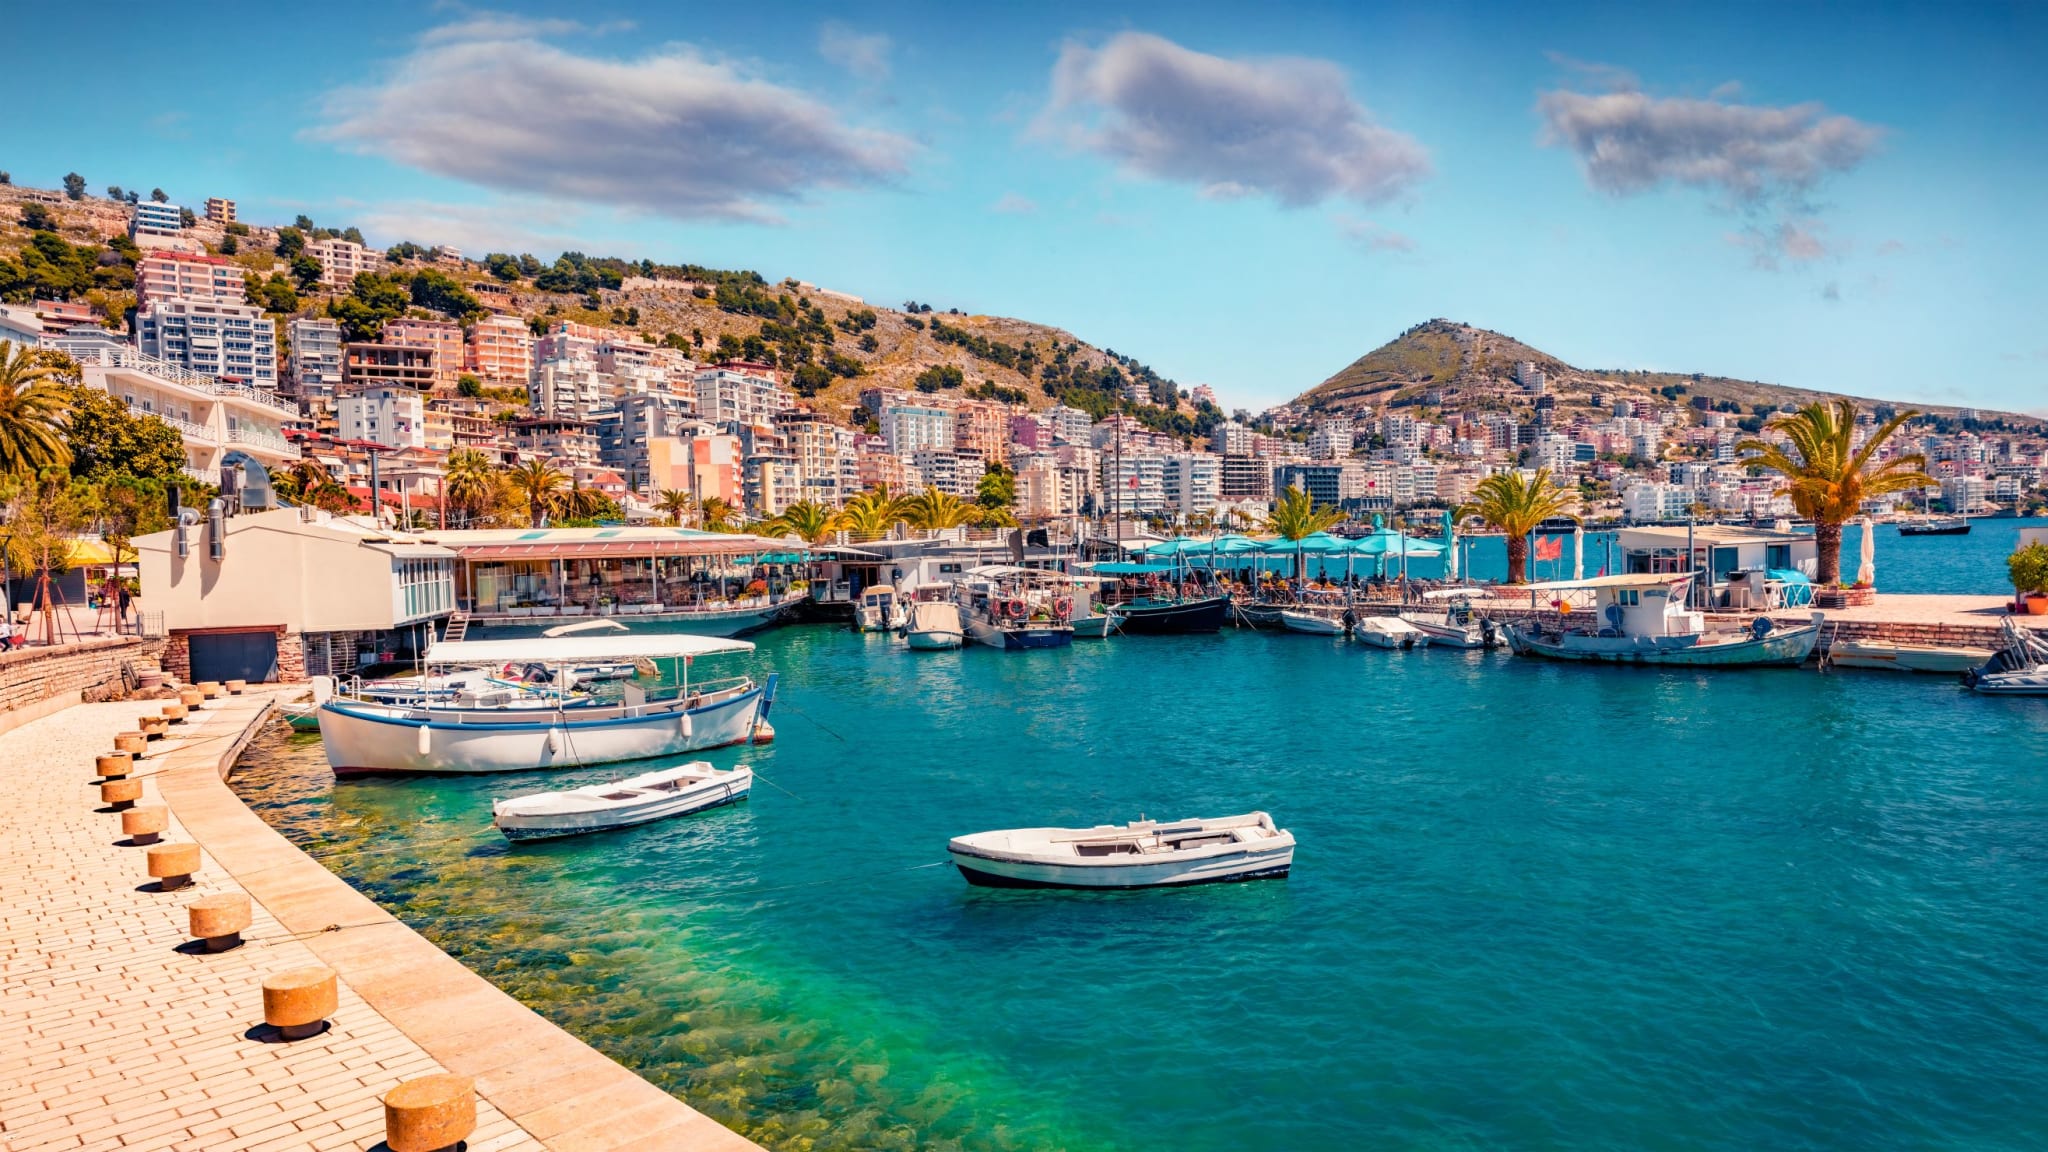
112,1038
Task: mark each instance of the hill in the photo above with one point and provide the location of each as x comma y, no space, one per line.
1443,363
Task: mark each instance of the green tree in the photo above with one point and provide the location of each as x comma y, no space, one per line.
443,293
1828,477
159,196
870,515
352,235
675,504
229,245
276,294
1296,515
469,483
306,272
540,485
74,185
940,376
997,487
468,386
502,266
933,510
303,222
106,439
807,520
290,242
187,218
716,513
1516,506
38,217
371,301
32,412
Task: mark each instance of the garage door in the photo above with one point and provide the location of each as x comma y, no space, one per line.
250,656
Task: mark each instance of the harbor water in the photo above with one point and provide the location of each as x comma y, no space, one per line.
1535,906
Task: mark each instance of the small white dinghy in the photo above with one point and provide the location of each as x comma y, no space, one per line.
1141,854
676,791
1389,632
1314,622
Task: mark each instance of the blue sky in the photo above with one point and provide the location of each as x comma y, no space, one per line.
1826,197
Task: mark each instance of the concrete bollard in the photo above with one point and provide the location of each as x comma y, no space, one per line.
114,764
153,727
175,713
191,697
173,864
143,825
120,795
211,689
219,920
133,743
430,1113
299,1001
235,687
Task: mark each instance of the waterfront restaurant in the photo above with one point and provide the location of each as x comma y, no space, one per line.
1718,552
523,582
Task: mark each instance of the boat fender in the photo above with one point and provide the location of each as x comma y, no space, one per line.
687,726
1761,627
426,739
554,741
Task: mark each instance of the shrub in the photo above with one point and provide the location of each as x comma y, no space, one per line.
2028,568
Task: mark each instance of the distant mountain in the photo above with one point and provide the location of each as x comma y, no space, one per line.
1443,363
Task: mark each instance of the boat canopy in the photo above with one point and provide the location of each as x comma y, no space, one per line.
611,649
1117,568
1626,580
1388,542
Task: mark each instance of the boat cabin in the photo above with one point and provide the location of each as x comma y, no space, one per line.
1645,605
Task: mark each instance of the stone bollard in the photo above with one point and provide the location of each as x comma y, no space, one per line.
219,920
175,713
429,1114
143,825
133,743
298,1002
153,727
235,687
211,689
114,764
172,864
120,795
191,697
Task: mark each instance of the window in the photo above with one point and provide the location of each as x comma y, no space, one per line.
1628,597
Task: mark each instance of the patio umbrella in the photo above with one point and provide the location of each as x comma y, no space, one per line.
1385,542
1314,544
1866,571
1450,547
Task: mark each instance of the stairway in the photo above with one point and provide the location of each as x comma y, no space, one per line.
458,627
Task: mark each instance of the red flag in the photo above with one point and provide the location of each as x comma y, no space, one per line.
1550,548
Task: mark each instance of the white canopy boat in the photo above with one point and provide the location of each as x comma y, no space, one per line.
676,791
934,625
470,734
1889,656
1389,632
2020,668
1314,622
1455,626
1141,854
878,610
1641,618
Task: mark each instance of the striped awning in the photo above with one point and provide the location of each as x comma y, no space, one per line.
614,549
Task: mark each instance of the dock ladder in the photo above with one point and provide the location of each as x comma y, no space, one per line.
458,627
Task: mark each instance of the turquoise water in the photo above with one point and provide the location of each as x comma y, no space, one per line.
1535,906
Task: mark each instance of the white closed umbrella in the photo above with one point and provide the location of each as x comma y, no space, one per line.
1578,552
1866,569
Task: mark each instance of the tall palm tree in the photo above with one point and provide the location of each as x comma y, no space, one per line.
1827,476
540,485
468,482
301,480
870,515
580,503
807,520
675,504
1516,505
716,513
934,510
1296,515
32,408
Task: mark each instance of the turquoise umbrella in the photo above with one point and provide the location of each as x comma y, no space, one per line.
1386,542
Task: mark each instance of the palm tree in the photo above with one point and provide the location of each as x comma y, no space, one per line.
807,520
539,484
1829,478
32,408
870,515
675,504
469,482
935,511
305,477
716,513
1516,505
580,503
1295,515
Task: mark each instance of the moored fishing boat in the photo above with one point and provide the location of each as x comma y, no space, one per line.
479,734
1162,599
1456,626
1016,608
878,610
1095,626
2020,668
1642,619
934,625
1389,632
1141,854
658,795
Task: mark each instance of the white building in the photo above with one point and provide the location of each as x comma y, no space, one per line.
1231,439
1192,483
1649,501
570,389
1331,440
393,417
316,359
235,342
340,260
948,471
212,415
155,221
1964,493
912,428
1070,425
1133,485
166,274
728,395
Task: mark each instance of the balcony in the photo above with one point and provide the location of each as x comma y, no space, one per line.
191,431
262,438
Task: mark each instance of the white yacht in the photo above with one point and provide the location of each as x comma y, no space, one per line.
1141,854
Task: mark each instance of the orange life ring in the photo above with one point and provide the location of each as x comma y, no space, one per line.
1062,607
1015,609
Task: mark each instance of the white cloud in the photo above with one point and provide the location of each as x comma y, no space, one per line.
527,225
672,132
1012,204
863,54
1373,237
1287,128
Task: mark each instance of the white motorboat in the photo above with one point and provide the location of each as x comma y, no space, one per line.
1456,626
878,610
1389,632
934,625
2020,668
482,734
1312,622
1642,618
1097,626
1141,854
1888,656
676,791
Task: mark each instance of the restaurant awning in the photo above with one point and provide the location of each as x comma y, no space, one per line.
610,549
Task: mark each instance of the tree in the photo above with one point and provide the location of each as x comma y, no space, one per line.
870,515
187,218
1516,506
158,196
303,222
32,412
306,272
42,522
1828,477
114,192
275,294
469,483
933,511
940,376
74,185
468,386
38,218
126,507
716,513
229,245
106,439
443,293
996,518
352,235
540,485
807,520
675,504
371,300
997,487
503,266
1296,515
290,242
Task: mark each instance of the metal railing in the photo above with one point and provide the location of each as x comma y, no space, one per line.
122,356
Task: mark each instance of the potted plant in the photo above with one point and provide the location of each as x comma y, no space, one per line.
2028,568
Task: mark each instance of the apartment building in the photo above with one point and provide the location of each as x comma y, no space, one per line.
910,428
1192,483
464,423
823,453
151,221
626,433
740,394
392,417
1331,440
875,466
1070,425
556,438
1133,485
982,428
314,370
167,274
235,342
1048,490
340,260
571,389
955,473
220,211
1242,477
213,416
501,350
366,366
442,337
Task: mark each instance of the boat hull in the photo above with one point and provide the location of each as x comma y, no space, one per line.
1018,639
706,796
934,640
1452,636
1963,530
1311,624
989,872
1261,615
1175,618
302,717
1784,648
370,740
1093,627
1905,657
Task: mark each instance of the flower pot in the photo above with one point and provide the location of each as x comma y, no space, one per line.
2037,604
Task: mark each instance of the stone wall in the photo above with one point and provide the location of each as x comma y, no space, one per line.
32,675
291,654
